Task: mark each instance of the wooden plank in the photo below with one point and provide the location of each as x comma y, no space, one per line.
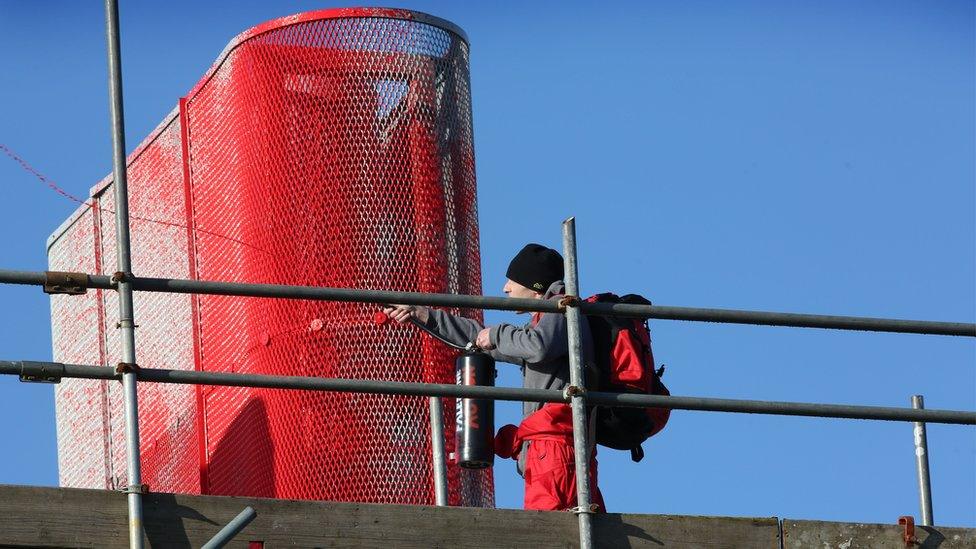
60,517
626,530
801,534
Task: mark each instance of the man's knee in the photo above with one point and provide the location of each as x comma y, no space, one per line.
550,477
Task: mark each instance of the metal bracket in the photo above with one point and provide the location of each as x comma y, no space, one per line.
572,390
41,372
119,276
593,508
568,301
57,282
909,534
135,489
126,368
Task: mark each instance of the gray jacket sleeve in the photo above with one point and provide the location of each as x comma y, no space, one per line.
536,345
456,329
461,331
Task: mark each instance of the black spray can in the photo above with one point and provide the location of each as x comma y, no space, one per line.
475,440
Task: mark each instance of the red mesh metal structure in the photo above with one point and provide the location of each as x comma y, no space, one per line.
331,148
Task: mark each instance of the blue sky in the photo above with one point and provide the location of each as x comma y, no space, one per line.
789,156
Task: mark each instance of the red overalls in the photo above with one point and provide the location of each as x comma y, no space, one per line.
550,470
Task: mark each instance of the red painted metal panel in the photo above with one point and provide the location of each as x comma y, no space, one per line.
329,148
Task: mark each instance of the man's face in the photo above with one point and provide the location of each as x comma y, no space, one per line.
514,289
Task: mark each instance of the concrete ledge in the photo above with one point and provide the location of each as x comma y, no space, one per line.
842,535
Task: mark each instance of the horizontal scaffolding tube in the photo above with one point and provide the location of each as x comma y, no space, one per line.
729,316
55,370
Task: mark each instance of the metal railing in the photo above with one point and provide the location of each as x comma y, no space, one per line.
79,282
575,395
129,373
659,312
53,371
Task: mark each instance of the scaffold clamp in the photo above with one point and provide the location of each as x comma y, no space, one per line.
573,390
57,282
126,368
135,489
590,509
41,372
568,301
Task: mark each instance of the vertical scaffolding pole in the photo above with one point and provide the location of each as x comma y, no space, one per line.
437,447
126,316
922,464
578,402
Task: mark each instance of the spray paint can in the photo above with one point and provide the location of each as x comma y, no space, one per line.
474,417
475,434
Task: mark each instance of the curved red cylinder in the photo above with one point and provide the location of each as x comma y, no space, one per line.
331,148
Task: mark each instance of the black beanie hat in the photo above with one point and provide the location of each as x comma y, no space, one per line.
536,267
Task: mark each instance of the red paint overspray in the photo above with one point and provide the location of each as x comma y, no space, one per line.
334,149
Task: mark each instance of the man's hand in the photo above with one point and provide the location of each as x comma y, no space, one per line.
483,341
402,313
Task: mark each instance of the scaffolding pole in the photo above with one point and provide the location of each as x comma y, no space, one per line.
234,527
576,390
437,451
922,464
126,324
54,371
318,293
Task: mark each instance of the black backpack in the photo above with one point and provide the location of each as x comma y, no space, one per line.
625,364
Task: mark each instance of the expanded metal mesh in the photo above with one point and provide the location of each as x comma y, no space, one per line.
77,323
329,149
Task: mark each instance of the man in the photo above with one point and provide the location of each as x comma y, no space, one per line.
543,442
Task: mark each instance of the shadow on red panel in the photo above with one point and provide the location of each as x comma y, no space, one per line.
243,463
